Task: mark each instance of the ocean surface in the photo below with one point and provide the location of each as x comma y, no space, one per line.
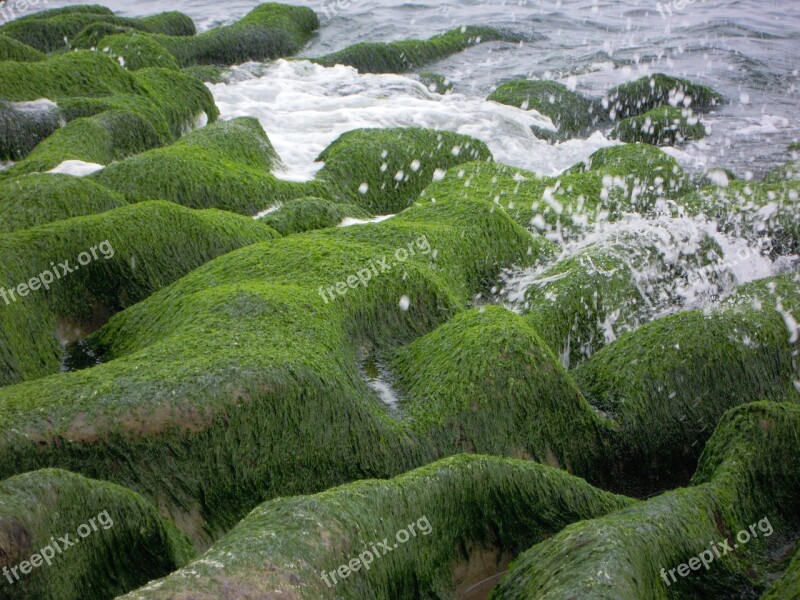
749,50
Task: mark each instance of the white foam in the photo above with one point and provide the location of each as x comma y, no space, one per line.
348,221
76,168
303,107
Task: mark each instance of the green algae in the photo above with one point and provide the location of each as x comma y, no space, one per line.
662,126
488,370
589,298
48,31
74,74
11,49
163,105
465,507
748,474
307,214
225,165
667,384
137,51
766,213
127,544
570,112
649,92
408,55
379,171
152,244
256,317
613,181
788,585
36,199
267,32
206,73
384,170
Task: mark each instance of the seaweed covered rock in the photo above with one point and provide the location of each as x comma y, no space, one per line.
157,107
445,527
51,30
613,181
267,32
570,112
278,367
68,537
767,212
712,540
384,170
662,126
667,384
590,297
488,366
408,55
25,124
39,198
137,51
307,214
225,165
110,261
11,49
438,84
649,92
74,74
787,584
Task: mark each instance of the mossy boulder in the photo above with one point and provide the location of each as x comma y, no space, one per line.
649,92
148,246
570,112
667,384
747,482
225,165
25,124
408,55
39,198
788,583
384,170
159,106
253,345
11,49
48,31
592,296
662,126
137,51
81,73
629,178
206,73
464,517
307,214
488,366
767,213
93,539
267,32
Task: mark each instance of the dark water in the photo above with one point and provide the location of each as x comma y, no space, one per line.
747,49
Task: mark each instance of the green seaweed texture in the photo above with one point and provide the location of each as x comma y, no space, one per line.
259,380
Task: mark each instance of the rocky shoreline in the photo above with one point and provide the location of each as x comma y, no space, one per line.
193,383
